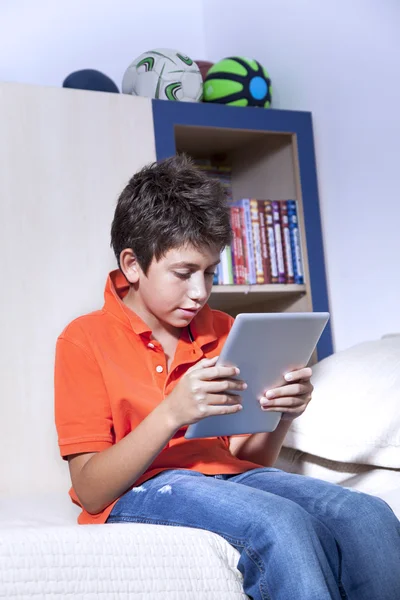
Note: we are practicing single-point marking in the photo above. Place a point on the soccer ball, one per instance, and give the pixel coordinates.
(166, 74)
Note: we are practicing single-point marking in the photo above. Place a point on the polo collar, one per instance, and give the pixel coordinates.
(117, 286)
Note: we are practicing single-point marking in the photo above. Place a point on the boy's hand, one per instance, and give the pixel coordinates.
(292, 398)
(205, 390)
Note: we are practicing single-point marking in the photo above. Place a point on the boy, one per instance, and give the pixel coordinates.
(130, 377)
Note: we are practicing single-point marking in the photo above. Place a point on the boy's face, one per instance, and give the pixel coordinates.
(175, 288)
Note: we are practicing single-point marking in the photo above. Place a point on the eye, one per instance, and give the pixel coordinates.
(188, 275)
(182, 275)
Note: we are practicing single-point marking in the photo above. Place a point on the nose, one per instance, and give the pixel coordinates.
(197, 289)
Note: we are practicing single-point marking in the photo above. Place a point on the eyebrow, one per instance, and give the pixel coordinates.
(190, 265)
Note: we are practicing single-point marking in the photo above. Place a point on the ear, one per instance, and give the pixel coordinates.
(129, 265)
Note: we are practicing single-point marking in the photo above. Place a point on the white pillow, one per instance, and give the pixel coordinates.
(354, 415)
(378, 481)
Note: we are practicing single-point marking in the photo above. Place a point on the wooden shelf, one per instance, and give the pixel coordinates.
(234, 299)
(274, 288)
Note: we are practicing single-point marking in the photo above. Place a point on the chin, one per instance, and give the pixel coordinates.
(183, 322)
(180, 321)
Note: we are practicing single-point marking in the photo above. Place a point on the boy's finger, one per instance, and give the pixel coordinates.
(219, 372)
(224, 409)
(217, 386)
(224, 399)
(296, 389)
(282, 403)
(304, 373)
(203, 363)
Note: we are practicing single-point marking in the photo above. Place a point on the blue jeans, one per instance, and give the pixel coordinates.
(299, 538)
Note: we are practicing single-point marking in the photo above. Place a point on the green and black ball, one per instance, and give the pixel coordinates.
(238, 81)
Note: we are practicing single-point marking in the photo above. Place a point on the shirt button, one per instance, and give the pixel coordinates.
(159, 369)
(150, 345)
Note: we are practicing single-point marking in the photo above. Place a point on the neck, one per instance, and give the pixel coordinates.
(159, 328)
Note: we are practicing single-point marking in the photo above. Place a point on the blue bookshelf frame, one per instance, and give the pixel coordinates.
(166, 115)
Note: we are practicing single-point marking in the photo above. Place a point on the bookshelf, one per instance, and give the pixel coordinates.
(271, 155)
(79, 148)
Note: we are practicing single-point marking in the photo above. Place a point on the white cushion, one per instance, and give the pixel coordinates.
(121, 561)
(354, 416)
(384, 483)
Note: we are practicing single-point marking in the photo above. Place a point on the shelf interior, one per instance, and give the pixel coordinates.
(263, 166)
(262, 162)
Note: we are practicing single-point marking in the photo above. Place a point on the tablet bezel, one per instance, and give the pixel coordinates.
(298, 336)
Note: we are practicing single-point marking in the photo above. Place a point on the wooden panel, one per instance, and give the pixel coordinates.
(301, 221)
(203, 142)
(65, 156)
(265, 169)
(234, 299)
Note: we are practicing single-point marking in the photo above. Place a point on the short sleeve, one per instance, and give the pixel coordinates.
(82, 408)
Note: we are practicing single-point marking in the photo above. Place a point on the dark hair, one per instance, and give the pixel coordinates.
(166, 205)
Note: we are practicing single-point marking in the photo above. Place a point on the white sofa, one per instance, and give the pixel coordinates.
(44, 554)
(350, 433)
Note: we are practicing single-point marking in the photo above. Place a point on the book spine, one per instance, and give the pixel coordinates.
(239, 257)
(233, 245)
(235, 254)
(220, 273)
(243, 239)
(256, 236)
(230, 266)
(224, 266)
(216, 276)
(269, 225)
(264, 242)
(249, 239)
(287, 249)
(233, 265)
(295, 241)
(278, 242)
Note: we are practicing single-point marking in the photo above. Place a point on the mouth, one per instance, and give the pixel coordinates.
(189, 311)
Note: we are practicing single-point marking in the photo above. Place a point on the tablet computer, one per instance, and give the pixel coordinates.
(265, 346)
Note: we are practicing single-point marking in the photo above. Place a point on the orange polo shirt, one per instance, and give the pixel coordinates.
(110, 374)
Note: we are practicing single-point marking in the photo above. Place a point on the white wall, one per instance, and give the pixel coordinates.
(43, 41)
(341, 61)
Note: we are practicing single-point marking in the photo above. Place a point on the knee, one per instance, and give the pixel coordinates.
(291, 530)
(289, 519)
(367, 508)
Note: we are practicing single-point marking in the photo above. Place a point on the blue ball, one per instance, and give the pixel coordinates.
(90, 79)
